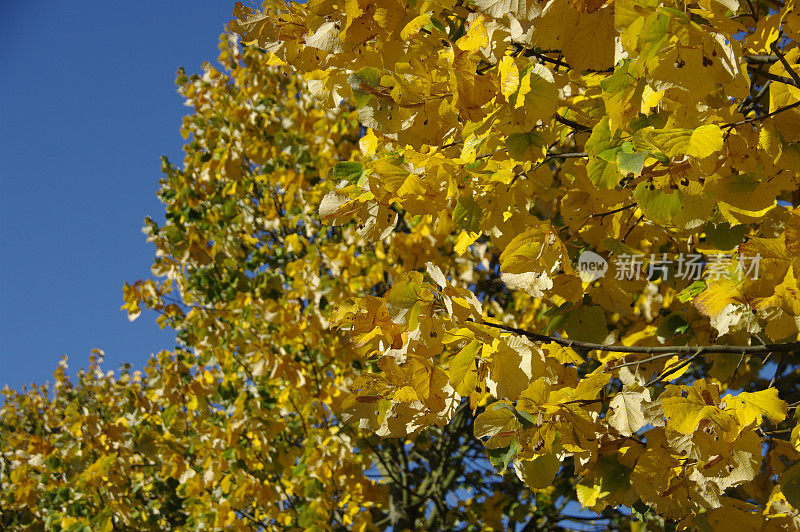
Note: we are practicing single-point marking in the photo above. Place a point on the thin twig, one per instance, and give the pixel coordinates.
(752, 9)
(640, 362)
(773, 77)
(785, 347)
(451, 144)
(785, 63)
(573, 155)
(627, 234)
(674, 370)
(774, 432)
(613, 211)
(778, 370)
(762, 117)
(541, 57)
(739, 365)
(571, 123)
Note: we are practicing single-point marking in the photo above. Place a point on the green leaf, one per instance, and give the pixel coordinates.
(790, 485)
(653, 36)
(526, 146)
(724, 237)
(601, 147)
(502, 456)
(587, 324)
(672, 326)
(630, 161)
(368, 76)
(673, 207)
(619, 80)
(526, 419)
(468, 214)
(691, 291)
(348, 170)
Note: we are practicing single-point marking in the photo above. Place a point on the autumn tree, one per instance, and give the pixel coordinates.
(457, 265)
(530, 140)
(241, 426)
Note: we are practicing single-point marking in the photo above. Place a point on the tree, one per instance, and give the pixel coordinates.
(240, 426)
(479, 241)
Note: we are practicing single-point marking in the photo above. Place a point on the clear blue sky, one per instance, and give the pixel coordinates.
(87, 107)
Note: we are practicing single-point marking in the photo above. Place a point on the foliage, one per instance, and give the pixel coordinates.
(376, 287)
(238, 427)
(518, 135)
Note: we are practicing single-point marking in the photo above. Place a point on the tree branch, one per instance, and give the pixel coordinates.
(786, 64)
(774, 77)
(571, 123)
(541, 57)
(673, 370)
(656, 350)
(762, 117)
(573, 155)
(760, 59)
(613, 211)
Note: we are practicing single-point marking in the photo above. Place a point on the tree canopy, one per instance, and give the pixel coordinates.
(457, 265)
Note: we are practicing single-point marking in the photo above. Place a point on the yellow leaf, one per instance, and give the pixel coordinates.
(192, 404)
(538, 249)
(539, 472)
(406, 394)
(705, 141)
(509, 369)
(701, 402)
(790, 485)
(589, 495)
(537, 92)
(564, 355)
(368, 143)
(107, 524)
(627, 416)
(521, 9)
(476, 38)
(673, 363)
(496, 418)
(750, 407)
(414, 26)
(465, 239)
(718, 294)
(462, 372)
(509, 76)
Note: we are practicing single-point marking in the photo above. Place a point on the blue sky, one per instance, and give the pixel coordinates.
(87, 107)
